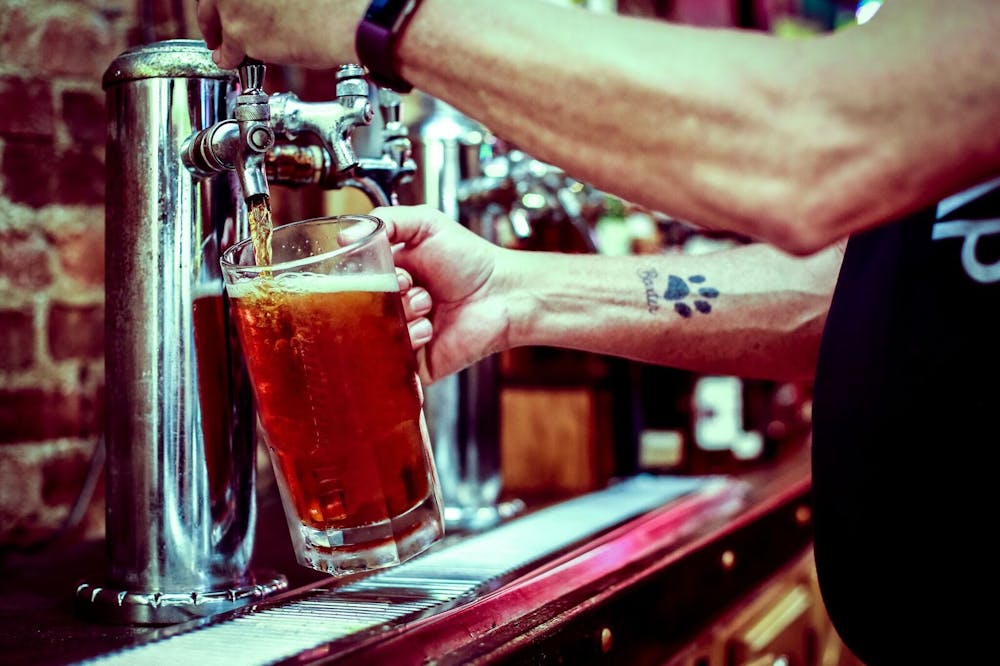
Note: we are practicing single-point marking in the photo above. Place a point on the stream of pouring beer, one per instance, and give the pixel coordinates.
(260, 228)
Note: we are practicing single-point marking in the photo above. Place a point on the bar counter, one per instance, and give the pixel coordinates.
(629, 574)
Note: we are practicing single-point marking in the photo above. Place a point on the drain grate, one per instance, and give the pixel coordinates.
(322, 616)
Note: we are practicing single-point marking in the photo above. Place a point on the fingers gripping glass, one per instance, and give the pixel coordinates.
(338, 398)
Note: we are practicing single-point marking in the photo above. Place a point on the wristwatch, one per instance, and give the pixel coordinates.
(376, 39)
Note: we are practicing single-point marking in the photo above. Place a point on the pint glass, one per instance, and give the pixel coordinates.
(338, 397)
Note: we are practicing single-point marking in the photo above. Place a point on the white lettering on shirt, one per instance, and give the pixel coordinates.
(971, 231)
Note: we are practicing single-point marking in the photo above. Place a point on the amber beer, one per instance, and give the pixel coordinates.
(339, 403)
(215, 387)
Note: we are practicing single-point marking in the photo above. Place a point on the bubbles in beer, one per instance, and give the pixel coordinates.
(338, 395)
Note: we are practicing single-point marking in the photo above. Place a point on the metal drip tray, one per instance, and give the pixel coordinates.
(308, 624)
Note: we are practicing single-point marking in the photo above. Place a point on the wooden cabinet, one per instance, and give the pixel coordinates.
(555, 440)
(557, 431)
(782, 623)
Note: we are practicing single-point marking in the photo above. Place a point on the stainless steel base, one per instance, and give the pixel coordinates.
(160, 608)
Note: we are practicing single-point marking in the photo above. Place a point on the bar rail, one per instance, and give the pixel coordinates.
(632, 591)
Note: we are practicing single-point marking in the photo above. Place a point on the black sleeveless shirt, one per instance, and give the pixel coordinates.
(906, 416)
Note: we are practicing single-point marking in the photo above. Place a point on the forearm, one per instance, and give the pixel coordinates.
(751, 311)
(795, 142)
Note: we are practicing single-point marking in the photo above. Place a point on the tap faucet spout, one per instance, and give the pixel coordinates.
(240, 143)
(253, 118)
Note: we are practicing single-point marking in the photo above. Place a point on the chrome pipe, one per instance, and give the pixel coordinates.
(463, 410)
(180, 422)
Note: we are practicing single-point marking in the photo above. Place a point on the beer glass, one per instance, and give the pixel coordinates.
(338, 397)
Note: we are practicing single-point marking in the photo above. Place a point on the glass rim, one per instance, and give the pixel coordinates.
(295, 263)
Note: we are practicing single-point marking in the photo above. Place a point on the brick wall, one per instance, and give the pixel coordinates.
(52, 132)
(52, 126)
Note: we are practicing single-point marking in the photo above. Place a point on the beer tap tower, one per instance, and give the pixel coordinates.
(479, 181)
(188, 148)
(463, 410)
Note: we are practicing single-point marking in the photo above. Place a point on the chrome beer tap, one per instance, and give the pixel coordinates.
(470, 175)
(253, 117)
(190, 148)
(394, 166)
(331, 123)
(239, 143)
(334, 162)
(286, 141)
(526, 192)
(463, 410)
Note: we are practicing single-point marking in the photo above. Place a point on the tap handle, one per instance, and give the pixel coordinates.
(390, 104)
(351, 82)
(251, 76)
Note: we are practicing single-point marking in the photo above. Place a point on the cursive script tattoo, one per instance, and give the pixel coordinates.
(647, 275)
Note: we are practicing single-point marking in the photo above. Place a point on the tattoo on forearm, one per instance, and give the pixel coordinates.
(686, 295)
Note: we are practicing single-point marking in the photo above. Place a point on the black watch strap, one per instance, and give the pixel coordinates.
(376, 38)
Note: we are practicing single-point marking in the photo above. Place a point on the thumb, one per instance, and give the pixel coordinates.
(410, 225)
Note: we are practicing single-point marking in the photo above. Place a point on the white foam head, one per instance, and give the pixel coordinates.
(313, 283)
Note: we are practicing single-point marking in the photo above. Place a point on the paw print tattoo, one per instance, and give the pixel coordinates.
(679, 289)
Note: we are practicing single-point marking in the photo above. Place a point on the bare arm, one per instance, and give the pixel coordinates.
(795, 142)
(750, 311)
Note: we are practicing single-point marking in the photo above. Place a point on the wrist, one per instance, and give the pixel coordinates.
(514, 273)
(377, 40)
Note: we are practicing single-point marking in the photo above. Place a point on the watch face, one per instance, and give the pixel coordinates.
(384, 12)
